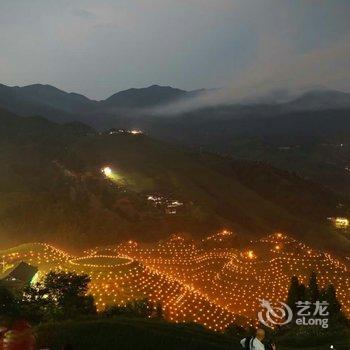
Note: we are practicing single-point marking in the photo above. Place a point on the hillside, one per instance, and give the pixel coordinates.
(314, 144)
(307, 134)
(53, 190)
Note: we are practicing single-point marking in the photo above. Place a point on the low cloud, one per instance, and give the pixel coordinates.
(277, 70)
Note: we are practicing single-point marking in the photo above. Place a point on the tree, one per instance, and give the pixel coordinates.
(297, 292)
(159, 313)
(313, 290)
(35, 305)
(237, 331)
(331, 296)
(302, 292)
(140, 308)
(68, 292)
(293, 293)
(9, 307)
(334, 308)
(60, 296)
(136, 308)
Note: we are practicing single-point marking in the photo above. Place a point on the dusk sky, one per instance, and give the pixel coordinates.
(98, 47)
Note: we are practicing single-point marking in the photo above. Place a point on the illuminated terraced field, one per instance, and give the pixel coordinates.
(117, 279)
(211, 286)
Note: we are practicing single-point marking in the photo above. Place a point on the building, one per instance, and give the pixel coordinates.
(340, 222)
(20, 275)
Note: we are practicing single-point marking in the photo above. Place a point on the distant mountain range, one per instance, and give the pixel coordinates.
(290, 133)
(61, 106)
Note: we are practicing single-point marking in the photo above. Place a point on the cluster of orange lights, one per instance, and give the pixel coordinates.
(210, 286)
(219, 237)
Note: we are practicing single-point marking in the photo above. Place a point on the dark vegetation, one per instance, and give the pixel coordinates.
(312, 293)
(336, 334)
(126, 333)
(60, 296)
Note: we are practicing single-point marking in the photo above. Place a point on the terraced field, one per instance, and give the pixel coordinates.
(211, 286)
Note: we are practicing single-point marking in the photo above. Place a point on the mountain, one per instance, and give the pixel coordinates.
(61, 106)
(44, 100)
(53, 97)
(14, 128)
(145, 97)
(53, 190)
(290, 135)
(320, 100)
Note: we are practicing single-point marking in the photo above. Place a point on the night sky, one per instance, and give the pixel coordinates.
(98, 47)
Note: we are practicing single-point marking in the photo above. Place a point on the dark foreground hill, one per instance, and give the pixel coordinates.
(52, 190)
(138, 334)
(130, 334)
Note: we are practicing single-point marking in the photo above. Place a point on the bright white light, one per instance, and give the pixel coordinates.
(136, 132)
(107, 171)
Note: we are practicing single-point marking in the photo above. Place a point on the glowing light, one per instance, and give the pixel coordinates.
(219, 236)
(107, 171)
(341, 222)
(251, 255)
(136, 132)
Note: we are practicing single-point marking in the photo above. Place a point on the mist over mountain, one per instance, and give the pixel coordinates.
(320, 100)
(145, 97)
(61, 106)
(289, 132)
(58, 105)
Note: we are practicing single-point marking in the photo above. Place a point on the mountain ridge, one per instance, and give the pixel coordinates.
(38, 96)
